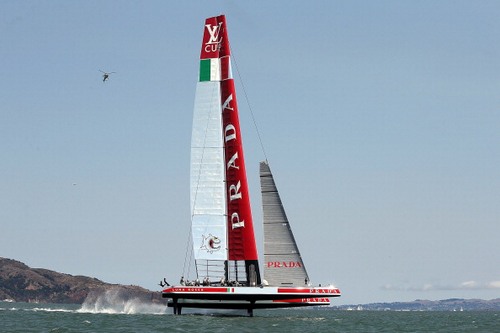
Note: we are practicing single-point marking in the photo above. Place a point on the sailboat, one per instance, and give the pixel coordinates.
(223, 238)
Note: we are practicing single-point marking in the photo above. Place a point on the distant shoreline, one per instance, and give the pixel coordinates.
(451, 304)
(21, 283)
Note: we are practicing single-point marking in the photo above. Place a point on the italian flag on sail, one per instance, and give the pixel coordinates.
(215, 69)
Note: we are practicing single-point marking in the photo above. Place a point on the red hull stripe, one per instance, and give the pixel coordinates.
(196, 290)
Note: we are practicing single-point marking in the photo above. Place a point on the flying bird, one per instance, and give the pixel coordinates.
(105, 75)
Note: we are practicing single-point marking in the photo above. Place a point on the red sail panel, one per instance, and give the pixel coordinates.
(241, 237)
(215, 43)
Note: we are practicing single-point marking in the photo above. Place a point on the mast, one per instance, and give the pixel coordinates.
(223, 234)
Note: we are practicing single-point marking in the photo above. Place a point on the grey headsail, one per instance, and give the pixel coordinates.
(283, 265)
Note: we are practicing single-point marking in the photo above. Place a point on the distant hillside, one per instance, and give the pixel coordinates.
(452, 304)
(21, 283)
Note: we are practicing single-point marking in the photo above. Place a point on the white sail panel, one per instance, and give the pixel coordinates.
(208, 202)
(209, 241)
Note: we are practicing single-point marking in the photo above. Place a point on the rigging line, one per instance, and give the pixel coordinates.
(248, 103)
(188, 243)
(190, 259)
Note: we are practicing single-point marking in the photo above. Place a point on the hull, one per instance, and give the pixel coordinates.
(249, 298)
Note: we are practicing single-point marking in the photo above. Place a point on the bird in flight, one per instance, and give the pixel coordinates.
(105, 75)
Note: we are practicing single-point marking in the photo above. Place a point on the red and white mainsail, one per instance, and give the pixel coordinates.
(222, 227)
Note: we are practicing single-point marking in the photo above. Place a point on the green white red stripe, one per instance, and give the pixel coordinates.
(209, 70)
(215, 69)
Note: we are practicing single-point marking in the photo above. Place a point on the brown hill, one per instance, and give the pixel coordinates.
(21, 283)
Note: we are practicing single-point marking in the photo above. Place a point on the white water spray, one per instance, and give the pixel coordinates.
(117, 301)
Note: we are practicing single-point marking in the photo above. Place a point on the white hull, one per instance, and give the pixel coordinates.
(249, 298)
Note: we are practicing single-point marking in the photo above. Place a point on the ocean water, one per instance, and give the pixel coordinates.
(136, 317)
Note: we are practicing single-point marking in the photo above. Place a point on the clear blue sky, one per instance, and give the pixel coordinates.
(381, 122)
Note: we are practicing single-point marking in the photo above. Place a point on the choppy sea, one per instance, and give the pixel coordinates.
(136, 317)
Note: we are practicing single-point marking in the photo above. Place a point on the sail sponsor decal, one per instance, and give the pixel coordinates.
(210, 243)
(213, 37)
(242, 245)
(305, 290)
(322, 300)
(284, 264)
(215, 43)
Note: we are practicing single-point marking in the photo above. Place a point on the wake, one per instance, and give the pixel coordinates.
(37, 309)
(116, 301)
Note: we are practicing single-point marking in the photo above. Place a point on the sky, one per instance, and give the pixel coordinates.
(380, 121)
